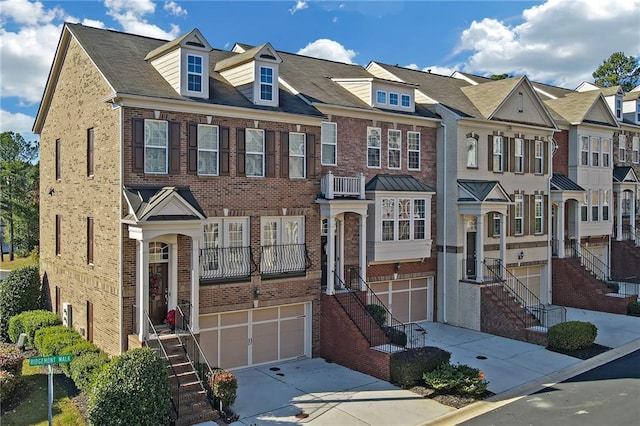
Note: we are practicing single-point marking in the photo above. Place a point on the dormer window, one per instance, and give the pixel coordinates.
(381, 97)
(618, 108)
(194, 73)
(266, 83)
(393, 99)
(406, 101)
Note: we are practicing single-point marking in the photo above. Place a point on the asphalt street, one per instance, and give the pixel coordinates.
(606, 395)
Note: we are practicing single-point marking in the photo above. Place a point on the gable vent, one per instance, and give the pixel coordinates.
(194, 43)
(267, 56)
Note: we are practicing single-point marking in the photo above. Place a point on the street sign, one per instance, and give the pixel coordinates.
(48, 360)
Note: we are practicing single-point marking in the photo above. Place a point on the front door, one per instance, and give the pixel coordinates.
(158, 292)
(471, 254)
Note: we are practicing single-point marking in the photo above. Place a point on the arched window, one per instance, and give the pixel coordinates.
(158, 251)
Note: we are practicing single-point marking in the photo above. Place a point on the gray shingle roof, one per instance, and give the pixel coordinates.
(143, 199)
(620, 174)
(480, 189)
(560, 182)
(488, 96)
(574, 106)
(397, 183)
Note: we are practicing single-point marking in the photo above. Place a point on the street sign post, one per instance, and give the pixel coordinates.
(49, 361)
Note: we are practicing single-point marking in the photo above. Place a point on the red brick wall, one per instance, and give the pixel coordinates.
(341, 342)
(561, 157)
(625, 260)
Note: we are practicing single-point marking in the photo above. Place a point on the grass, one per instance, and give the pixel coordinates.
(32, 410)
(16, 263)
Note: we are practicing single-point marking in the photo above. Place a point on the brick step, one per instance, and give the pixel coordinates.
(194, 418)
(188, 396)
(192, 407)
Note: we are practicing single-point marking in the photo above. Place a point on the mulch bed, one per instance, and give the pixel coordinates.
(585, 353)
(452, 400)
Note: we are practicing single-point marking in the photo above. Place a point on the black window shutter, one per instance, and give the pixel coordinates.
(545, 216)
(270, 160)
(527, 157)
(284, 154)
(490, 225)
(512, 157)
(311, 155)
(512, 220)
(490, 153)
(529, 217)
(138, 145)
(224, 151)
(531, 154)
(192, 150)
(545, 158)
(240, 153)
(505, 154)
(174, 147)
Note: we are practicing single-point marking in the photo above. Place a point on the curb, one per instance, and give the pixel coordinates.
(513, 394)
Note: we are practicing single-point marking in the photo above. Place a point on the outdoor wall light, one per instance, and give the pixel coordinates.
(521, 255)
(256, 295)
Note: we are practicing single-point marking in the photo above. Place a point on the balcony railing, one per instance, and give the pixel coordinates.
(226, 263)
(337, 186)
(284, 259)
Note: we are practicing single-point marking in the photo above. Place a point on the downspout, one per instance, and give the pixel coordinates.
(123, 337)
(552, 148)
(444, 224)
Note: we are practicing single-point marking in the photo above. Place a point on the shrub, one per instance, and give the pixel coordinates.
(79, 348)
(86, 367)
(29, 322)
(634, 309)
(407, 367)
(8, 383)
(51, 340)
(136, 384)
(572, 335)
(11, 359)
(378, 313)
(396, 337)
(19, 292)
(459, 378)
(224, 386)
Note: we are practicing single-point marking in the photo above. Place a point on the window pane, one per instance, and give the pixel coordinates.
(207, 137)
(155, 160)
(472, 152)
(296, 167)
(328, 154)
(296, 144)
(207, 163)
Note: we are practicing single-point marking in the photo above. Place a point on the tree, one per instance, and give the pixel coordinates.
(499, 76)
(18, 180)
(620, 70)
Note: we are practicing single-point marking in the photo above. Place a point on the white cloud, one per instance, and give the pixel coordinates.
(328, 49)
(130, 14)
(300, 5)
(561, 42)
(24, 12)
(174, 8)
(17, 123)
(335, 19)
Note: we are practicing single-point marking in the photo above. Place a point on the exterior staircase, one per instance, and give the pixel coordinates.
(192, 406)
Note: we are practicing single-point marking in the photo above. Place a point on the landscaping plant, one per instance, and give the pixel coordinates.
(572, 335)
(86, 367)
(224, 386)
(19, 292)
(51, 340)
(407, 367)
(460, 379)
(634, 309)
(29, 322)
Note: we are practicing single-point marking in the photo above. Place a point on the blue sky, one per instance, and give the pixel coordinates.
(559, 42)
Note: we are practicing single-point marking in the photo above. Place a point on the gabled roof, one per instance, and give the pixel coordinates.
(397, 183)
(192, 39)
(482, 190)
(162, 203)
(585, 86)
(487, 97)
(264, 51)
(575, 107)
(560, 182)
(624, 174)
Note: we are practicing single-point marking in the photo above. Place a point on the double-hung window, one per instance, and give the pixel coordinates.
(194, 73)
(618, 109)
(498, 150)
(329, 140)
(405, 101)
(595, 151)
(254, 158)
(413, 150)
(472, 153)
(584, 150)
(297, 155)
(497, 222)
(403, 219)
(518, 148)
(635, 148)
(519, 214)
(539, 217)
(605, 205)
(606, 150)
(373, 147)
(156, 146)
(381, 97)
(208, 149)
(393, 99)
(395, 148)
(622, 148)
(226, 252)
(584, 208)
(539, 157)
(266, 83)
(282, 247)
(595, 205)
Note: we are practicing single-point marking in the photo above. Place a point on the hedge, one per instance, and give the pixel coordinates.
(11, 359)
(86, 367)
(19, 292)
(51, 340)
(29, 322)
(572, 335)
(77, 349)
(407, 367)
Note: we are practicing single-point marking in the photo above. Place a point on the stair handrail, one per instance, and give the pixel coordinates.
(633, 232)
(594, 264)
(174, 381)
(581, 269)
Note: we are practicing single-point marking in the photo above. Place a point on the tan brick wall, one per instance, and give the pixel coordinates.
(76, 107)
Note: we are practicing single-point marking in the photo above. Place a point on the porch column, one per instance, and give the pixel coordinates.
(503, 240)
(479, 248)
(619, 215)
(363, 250)
(340, 248)
(560, 228)
(331, 253)
(577, 223)
(195, 285)
(173, 276)
(142, 285)
(632, 217)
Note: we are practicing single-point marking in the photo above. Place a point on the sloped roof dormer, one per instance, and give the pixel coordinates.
(254, 72)
(382, 93)
(184, 63)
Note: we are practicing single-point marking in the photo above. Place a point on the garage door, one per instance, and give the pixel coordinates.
(531, 278)
(408, 300)
(256, 336)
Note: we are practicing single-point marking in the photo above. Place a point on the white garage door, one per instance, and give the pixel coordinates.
(407, 300)
(256, 336)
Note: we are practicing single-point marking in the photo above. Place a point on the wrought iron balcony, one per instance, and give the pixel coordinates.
(283, 259)
(338, 186)
(226, 263)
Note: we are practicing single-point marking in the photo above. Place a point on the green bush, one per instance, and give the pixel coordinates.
(29, 322)
(224, 386)
(11, 359)
(86, 367)
(378, 313)
(572, 335)
(407, 367)
(51, 340)
(459, 379)
(396, 337)
(8, 383)
(134, 385)
(79, 348)
(634, 309)
(19, 292)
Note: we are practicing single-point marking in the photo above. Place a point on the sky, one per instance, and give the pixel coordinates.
(559, 42)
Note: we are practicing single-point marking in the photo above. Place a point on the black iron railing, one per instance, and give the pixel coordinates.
(174, 380)
(534, 312)
(284, 259)
(629, 232)
(590, 261)
(226, 263)
(183, 315)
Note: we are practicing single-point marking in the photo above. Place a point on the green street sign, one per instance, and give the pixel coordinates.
(48, 360)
